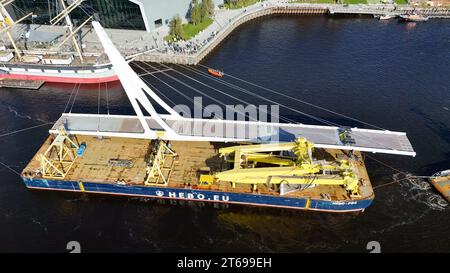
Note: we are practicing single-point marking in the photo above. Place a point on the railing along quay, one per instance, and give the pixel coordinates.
(304, 9)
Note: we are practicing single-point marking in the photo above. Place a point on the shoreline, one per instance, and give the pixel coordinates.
(145, 46)
(279, 8)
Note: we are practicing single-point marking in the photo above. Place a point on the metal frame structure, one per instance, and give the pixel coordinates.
(155, 172)
(59, 157)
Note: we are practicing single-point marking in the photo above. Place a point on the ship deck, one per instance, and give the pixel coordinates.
(193, 157)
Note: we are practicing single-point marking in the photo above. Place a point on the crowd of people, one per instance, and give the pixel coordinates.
(186, 47)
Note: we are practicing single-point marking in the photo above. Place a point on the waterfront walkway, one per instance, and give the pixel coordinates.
(227, 20)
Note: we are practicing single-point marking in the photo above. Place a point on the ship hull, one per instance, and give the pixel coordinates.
(59, 74)
(200, 195)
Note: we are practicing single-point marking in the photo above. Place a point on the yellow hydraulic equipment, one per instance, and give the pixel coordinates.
(302, 170)
(161, 165)
(59, 156)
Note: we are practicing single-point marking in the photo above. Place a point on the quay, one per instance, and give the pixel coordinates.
(225, 23)
(145, 46)
(21, 84)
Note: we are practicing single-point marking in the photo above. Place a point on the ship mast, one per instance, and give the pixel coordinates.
(64, 14)
(7, 24)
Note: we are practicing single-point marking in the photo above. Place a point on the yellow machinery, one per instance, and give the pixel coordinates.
(59, 156)
(298, 169)
(161, 165)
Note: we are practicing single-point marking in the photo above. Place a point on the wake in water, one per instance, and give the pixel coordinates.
(14, 111)
(20, 115)
(420, 190)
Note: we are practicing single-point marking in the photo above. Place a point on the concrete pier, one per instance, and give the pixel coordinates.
(274, 8)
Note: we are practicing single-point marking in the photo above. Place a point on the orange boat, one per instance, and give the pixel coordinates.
(216, 73)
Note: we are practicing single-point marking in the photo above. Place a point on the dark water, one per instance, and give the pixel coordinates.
(393, 75)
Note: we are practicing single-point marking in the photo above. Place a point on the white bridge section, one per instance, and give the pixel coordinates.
(174, 127)
(375, 141)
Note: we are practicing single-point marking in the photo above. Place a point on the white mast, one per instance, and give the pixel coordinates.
(134, 86)
(8, 23)
(65, 15)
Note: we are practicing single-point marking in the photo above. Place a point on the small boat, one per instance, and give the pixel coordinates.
(413, 18)
(215, 72)
(441, 181)
(386, 17)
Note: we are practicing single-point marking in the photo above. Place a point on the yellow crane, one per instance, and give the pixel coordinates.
(300, 168)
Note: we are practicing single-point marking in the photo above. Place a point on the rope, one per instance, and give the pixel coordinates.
(9, 168)
(98, 99)
(389, 183)
(193, 88)
(238, 88)
(107, 97)
(299, 100)
(387, 165)
(407, 176)
(18, 131)
(224, 93)
(25, 129)
(75, 98)
(165, 83)
(70, 97)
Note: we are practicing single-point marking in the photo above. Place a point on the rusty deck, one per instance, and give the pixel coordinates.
(193, 158)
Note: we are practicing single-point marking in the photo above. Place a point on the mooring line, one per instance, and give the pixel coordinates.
(9, 168)
(25, 129)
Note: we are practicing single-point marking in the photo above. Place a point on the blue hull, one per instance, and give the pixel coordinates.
(200, 195)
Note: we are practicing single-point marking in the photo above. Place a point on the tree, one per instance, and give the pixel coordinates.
(176, 27)
(195, 14)
(209, 6)
(203, 10)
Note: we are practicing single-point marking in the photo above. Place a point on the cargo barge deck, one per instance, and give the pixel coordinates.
(119, 166)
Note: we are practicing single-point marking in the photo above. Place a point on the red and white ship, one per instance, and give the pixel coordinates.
(85, 68)
(87, 74)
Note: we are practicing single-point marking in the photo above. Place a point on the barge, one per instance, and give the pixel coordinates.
(285, 165)
(331, 180)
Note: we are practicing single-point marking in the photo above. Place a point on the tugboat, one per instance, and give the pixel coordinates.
(441, 181)
(215, 72)
(413, 18)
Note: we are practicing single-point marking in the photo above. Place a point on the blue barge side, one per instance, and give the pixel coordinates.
(199, 195)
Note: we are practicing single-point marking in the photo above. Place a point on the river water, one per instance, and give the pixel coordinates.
(392, 75)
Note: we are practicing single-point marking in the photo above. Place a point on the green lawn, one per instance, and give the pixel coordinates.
(401, 2)
(240, 4)
(191, 30)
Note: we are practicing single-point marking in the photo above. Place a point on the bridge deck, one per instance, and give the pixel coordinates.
(376, 141)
